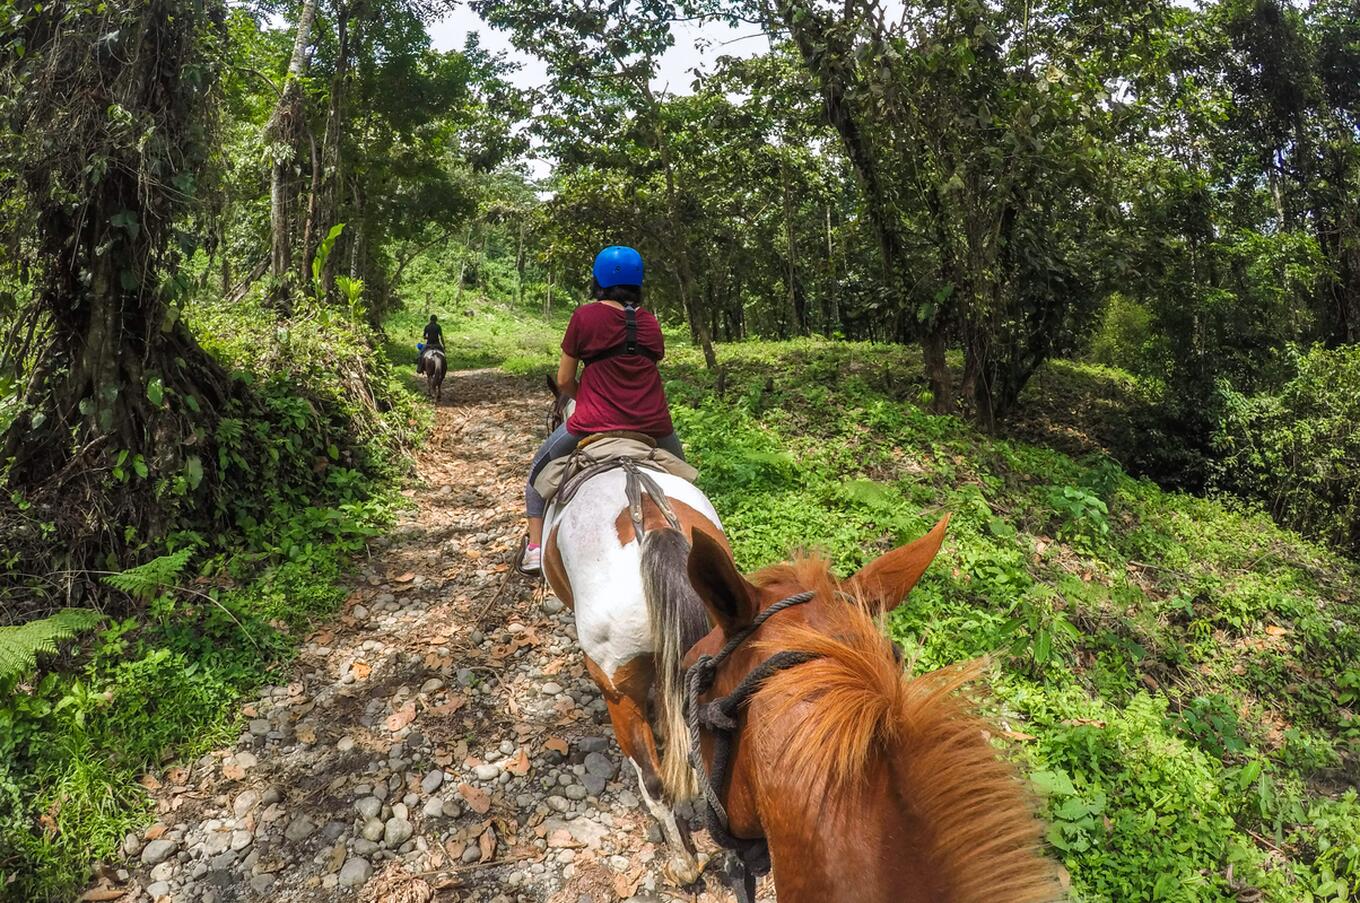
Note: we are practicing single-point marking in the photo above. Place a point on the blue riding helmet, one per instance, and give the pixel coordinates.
(617, 265)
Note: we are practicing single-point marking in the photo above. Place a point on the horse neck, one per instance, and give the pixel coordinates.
(860, 844)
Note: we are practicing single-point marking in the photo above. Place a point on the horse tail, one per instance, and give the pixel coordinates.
(678, 621)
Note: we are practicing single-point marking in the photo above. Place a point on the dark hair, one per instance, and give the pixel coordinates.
(433, 319)
(624, 294)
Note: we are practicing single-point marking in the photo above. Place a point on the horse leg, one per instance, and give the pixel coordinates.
(625, 696)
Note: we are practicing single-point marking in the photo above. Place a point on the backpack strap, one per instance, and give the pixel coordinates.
(630, 342)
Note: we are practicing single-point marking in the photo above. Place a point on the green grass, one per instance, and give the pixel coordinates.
(1179, 675)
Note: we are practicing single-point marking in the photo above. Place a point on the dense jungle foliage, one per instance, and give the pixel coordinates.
(1086, 275)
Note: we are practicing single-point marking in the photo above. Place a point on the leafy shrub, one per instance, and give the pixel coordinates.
(1298, 450)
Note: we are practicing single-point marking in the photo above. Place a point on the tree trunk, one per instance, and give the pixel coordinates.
(282, 130)
(685, 275)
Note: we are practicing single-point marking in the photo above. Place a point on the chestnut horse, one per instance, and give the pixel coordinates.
(867, 785)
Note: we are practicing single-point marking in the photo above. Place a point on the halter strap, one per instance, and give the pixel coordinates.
(719, 717)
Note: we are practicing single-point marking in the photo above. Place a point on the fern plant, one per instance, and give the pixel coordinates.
(147, 580)
(20, 645)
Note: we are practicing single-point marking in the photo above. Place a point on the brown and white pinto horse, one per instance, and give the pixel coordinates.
(636, 615)
(867, 785)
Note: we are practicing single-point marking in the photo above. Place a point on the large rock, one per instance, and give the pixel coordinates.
(157, 851)
(355, 872)
(601, 765)
(369, 806)
(397, 831)
(299, 829)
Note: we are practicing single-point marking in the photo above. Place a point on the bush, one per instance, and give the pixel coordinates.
(1297, 451)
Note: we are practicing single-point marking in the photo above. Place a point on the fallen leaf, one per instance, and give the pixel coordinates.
(149, 782)
(479, 800)
(95, 894)
(177, 775)
(552, 667)
(1017, 735)
(401, 717)
(557, 744)
(453, 704)
(406, 577)
(518, 764)
(233, 772)
(1276, 630)
(249, 710)
(443, 758)
(626, 883)
(487, 844)
(361, 670)
(306, 734)
(155, 831)
(323, 638)
(296, 688)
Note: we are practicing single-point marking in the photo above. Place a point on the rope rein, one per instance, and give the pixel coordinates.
(719, 717)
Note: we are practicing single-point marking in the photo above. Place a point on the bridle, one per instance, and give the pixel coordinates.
(719, 717)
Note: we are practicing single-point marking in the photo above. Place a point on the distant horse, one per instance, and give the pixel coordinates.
(636, 614)
(434, 365)
(857, 782)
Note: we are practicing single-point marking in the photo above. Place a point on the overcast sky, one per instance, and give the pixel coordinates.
(688, 52)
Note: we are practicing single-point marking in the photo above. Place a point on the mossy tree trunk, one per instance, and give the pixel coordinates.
(112, 103)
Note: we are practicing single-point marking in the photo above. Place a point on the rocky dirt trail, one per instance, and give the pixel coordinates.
(439, 740)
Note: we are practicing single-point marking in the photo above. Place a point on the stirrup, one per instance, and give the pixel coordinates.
(519, 560)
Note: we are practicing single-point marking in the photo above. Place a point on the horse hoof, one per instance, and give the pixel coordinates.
(684, 870)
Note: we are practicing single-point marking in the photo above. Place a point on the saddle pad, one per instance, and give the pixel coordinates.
(558, 472)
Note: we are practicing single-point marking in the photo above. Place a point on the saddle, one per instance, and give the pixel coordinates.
(560, 480)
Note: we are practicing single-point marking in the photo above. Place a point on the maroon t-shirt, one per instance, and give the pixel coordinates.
(622, 392)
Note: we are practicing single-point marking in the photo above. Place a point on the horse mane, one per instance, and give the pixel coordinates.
(854, 704)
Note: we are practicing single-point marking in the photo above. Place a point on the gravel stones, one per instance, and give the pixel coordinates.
(157, 851)
(487, 772)
(372, 829)
(260, 726)
(432, 781)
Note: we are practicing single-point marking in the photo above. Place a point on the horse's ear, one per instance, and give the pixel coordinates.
(730, 600)
(885, 581)
(552, 384)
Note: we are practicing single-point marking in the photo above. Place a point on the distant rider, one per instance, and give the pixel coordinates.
(619, 389)
(434, 338)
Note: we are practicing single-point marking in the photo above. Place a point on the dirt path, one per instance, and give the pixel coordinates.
(439, 740)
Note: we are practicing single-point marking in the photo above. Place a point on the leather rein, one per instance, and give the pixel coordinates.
(719, 717)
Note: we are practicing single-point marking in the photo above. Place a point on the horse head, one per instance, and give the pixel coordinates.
(559, 410)
(866, 784)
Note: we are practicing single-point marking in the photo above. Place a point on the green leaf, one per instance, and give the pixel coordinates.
(155, 390)
(1053, 783)
(193, 471)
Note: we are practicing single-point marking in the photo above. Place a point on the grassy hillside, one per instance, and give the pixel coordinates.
(1179, 678)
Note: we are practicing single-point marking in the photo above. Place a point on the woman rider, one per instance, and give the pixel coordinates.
(617, 390)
